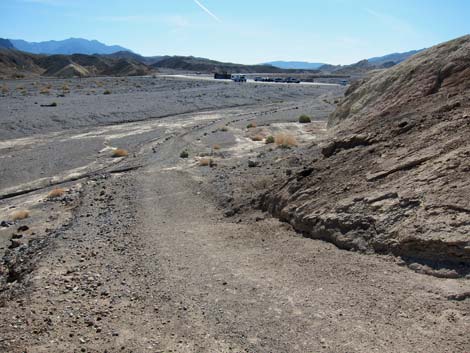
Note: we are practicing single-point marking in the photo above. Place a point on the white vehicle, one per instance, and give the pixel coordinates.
(238, 78)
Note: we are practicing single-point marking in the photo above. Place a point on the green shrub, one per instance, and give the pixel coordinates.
(107, 92)
(251, 125)
(270, 139)
(304, 119)
(184, 154)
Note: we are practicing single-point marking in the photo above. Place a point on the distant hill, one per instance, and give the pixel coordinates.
(14, 63)
(395, 57)
(5, 43)
(190, 63)
(147, 60)
(297, 65)
(364, 66)
(66, 47)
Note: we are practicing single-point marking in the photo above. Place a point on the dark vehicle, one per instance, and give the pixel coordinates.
(343, 82)
(278, 80)
(292, 80)
(259, 79)
(222, 76)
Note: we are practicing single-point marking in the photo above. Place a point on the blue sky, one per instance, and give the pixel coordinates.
(245, 31)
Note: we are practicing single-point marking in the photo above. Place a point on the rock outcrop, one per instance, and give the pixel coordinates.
(395, 176)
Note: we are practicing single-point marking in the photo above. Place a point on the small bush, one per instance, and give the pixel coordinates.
(305, 119)
(107, 92)
(216, 147)
(65, 88)
(59, 192)
(19, 215)
(204, 162)
(120, 152)
(45, 90)
(251, 125)
(270, 139)
(285, 140)
(4, 89)
(53, 104)
(224, 129)
(184, 154)
(257, 138)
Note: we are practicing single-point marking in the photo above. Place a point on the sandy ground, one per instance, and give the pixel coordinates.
(145, 254)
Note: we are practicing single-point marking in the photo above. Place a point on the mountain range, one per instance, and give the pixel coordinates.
(66, 47)
(81, 57)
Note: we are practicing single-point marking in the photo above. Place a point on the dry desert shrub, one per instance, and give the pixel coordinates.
(285, 140)
(19, 215)
(45, 90)
(4, 89)
(59, 192)
(216, 147)
(65, 88)
(251, 125)
(204, 162)
(257, 138)
(120, 152)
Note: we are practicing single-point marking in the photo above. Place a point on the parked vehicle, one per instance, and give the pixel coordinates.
(292, 80)
(238, 78)
(278, 80)
(258, 79)
(343, 82)
(222, 76)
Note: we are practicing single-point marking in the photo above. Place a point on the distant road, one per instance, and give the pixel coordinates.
(210, 78)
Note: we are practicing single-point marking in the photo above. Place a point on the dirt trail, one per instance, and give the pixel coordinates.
(150, 264)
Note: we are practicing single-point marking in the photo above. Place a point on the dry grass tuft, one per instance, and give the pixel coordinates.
(5, 89)
(19, 215)
(45, 90)
(59, 192)
(120, 152)
(257, 138)
(216, 147)
(204, 162)
(285, 140)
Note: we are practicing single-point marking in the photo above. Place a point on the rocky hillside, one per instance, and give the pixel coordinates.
(189, 63)
(14, 63)
(394, 178)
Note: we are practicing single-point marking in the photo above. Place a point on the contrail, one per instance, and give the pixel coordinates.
(206, 10)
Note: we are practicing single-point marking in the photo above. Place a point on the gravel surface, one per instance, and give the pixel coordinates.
(149, 253)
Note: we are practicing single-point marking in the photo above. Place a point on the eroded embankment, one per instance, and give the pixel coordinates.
(394, 177)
